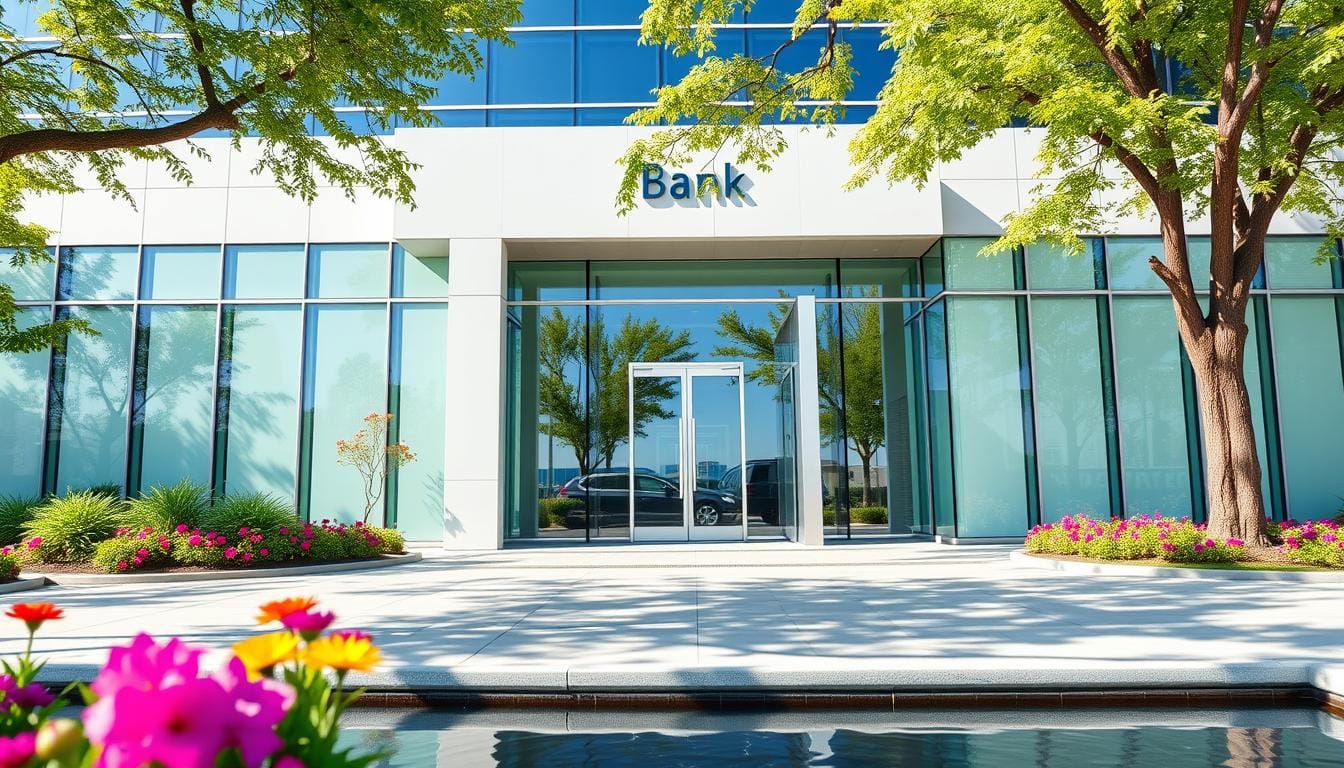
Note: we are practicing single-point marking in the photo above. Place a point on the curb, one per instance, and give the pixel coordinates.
(105, 579)
(23, 585)
(1020, 557)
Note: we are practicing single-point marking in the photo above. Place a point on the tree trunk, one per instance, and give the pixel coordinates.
(867, 460)
(1236, 502)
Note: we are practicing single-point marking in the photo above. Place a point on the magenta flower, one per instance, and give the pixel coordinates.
(31, 696)
(1168, 547)
(230, 553)
(195, 540)
(35, 542)
(181, 527)
(1235, 543)
(310, 624)
(17, 750)
(352, 634)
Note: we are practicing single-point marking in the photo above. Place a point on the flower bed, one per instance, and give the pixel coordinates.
(1319, 543)
(276, 703)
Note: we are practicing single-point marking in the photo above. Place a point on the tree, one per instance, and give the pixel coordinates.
(373, 457)
(1246, 132)
(561, 353)
(111, 81)
(860, 407)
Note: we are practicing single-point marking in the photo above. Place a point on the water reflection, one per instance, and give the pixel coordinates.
(1298, 738)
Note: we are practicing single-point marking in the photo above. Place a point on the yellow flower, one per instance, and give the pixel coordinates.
(344, 652)
(261, 653)
(276, 610)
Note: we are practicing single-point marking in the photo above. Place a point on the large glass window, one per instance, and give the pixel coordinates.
(538, 69)
(418, 276)
(23, 396)
(173, 396)
(263, 271)
(966, 270)
(642, 280)
(181, 272)
(1052, 268)
(419, 343)
(345, 380)
(613, 67)
(1293, 263)
(33, 281)
(347, 271)
(98, 273)
(1127, 259)
(90, 392)
(261, 359)
(1311, 400)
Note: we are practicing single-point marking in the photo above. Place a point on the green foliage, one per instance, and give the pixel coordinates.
(1316, 543)
(15, 512)
(184, 552)
(326, 544)
(130, 552)
(110, 490)
(248, 510)
(390, 540)
(868, 515)
(1140, 538)
(551, 512)
(71, 526)
(164, 508)
(9, 564)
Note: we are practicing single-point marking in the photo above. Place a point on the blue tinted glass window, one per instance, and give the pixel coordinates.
(539, 69)
(799, 56)
(460, 118)
(263, 271)
(602, 115)
(32, 281)
(457, 88)
(773, 11)
(610, 11)
(526, 117)
(613, 66)
(95, 272)
(727, 43)
(180, 272)
(548, 13)
(872, 67)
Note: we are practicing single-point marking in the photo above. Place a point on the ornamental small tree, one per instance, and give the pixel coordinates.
(369, 452)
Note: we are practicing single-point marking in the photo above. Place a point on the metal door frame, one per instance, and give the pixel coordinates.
(685, 372)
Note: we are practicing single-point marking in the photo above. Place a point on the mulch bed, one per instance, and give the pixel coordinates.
(85, 568)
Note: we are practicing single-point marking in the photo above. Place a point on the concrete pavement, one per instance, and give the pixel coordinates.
(889, 616)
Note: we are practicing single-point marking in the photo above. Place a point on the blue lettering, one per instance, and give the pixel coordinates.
(705, 183)
(733, 181)
(653, 186)
(681, 186)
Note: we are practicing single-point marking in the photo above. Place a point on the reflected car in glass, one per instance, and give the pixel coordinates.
(657, 502)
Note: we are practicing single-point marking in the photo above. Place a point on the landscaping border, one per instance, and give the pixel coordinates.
(1023, 558)
(23, 584)
(171, 577)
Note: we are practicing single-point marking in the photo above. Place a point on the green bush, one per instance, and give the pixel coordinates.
(390, 540)
(15, 512)
(551, 513)
(326, 544)
(229, 514)
(132, 552)
(828, 517)
(9, 564)
(166, 507)
(192, 549)
(869, 515)
(111, 490)
(1314, 543)
(69, 527)
(1138, 538)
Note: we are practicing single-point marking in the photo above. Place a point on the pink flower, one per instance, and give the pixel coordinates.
(30, 696)
(143, 553)
(289, 761)
(122, 565)
(284, 530)
(1168, 547)
(164, 543)
(351, 634)
(36, 542)
(243, 531)
(1235, 543)
(247, 557)
(1328, 538)
(16, 750)
(310, 624)
(265, 552)
(181, 527)
(230, 553)
(305, 546)
(194, 540)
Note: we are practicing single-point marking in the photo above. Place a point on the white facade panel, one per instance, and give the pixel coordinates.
(265, 215)
(185, 215)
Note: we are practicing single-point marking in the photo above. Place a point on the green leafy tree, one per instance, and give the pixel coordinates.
(561, 355)
(1246, 133)
(113, 81)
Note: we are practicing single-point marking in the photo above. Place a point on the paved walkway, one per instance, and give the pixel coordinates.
(866, 616)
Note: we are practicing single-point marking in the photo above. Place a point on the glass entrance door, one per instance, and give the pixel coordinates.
(686, 435)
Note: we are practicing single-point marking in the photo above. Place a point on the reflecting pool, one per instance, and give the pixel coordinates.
(1248, 738)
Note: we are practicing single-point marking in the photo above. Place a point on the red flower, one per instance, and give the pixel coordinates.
(33, 614)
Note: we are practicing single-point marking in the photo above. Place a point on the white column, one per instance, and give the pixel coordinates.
(473, 466)
(808, 413)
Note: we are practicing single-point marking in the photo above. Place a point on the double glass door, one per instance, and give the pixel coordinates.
(687, 449)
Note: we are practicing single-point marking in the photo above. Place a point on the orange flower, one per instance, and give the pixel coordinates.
(33, 614)
(276, 610)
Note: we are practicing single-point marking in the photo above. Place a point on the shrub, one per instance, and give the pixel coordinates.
(828, 517)
(67, 528)
(136, 551)
(1319, 543)
(1139, 538)
(15, 512)
(110, 490)
(197, 548)
(164, 508)
(869, 515)
(325, 544)
(248, 510)
(9, 564)
(551, 513)
(390, 540)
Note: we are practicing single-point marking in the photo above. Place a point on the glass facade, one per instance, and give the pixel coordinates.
(237, 367)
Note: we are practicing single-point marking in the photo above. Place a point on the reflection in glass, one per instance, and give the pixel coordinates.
(1308, 339)
(172, 396)
(89, 393)
(263, 271)
(716, 419)
(31, 281)
(23, 379)
(97, 273)
(347, 270)
(657, 432)
(419, 344)
(181, 272)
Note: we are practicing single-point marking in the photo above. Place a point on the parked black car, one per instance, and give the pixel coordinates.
(657, 502)
(762, 484)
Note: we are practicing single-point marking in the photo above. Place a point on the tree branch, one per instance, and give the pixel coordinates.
(198, 45)
(1124, 70)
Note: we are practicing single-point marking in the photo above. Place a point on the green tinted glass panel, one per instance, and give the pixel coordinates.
(547, 281)
(98, 273)
(174, 394)
(92, 403)
(347, 380)
(181, 272)
(263, 272)
(966, 270)
(1151, 406)
(1070, 410)
(262, 361)
(987, 439)
(1311, 402)
(1292, 263)
(418, 373)
(1128, 263)
(417, 276)
(1052, 268)
(880, 278)
(33, 281)
(23, 392)
(940, 419)
(711, 279)
(347, 271)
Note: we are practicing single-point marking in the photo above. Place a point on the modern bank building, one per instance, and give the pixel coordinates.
(774, 359)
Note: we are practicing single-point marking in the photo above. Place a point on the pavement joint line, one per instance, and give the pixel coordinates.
(549, 599)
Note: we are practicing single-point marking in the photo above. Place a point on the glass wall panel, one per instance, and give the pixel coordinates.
(1071, 434)
(641, 280)
(345, 380)
(263, 271)
(611, 11)
(181, 272)
(727, 43)
(1311, 401)
(988, 447)
(98, 273)
(1052, 268)
(172, 396)
(1128, 263)
(917, 425)
(419, 341)
(940, 420)
(537, 69)
(835, 475)
(33, 281)
(547, 281)
(1149, 394)
(23, 393)
(418, 277)
(614, 67)
(347, 271)
(879, 278)
(261, 357)
(548, 13)
(966, 270)
(90, 392)
(1292, 263)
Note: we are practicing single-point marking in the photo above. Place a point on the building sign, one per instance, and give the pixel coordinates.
(656, 183)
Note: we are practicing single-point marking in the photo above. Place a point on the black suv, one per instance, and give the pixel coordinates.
(762, 484)
(657, 501)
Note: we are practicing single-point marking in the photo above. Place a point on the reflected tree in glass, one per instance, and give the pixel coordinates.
(561, 344)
